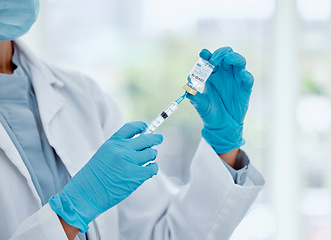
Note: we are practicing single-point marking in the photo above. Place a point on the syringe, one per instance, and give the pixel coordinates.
(164, 115)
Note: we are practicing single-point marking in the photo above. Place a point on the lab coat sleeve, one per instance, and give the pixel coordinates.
(44, 224)
(209, 207)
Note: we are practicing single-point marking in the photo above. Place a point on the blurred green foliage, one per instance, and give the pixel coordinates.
(310, 85)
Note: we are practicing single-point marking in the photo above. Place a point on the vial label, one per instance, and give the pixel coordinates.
(200, 73)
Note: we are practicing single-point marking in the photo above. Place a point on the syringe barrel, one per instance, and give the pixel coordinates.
(154, 124)
(171, 108)
(161, 117)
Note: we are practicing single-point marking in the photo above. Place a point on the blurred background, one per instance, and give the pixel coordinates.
(140, 52)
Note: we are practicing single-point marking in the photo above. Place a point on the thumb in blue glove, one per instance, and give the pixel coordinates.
(111, 175)
(225, 99)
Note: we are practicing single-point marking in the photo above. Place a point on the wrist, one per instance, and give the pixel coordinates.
(69, 230)
(230, 157)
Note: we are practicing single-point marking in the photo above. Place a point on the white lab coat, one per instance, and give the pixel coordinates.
(77, 118)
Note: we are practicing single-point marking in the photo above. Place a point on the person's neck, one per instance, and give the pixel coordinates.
(6, 54)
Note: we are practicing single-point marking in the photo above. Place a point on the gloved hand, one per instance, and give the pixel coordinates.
(224, 101)
(111, 175)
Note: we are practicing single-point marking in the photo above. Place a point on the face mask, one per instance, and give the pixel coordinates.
(17, 17)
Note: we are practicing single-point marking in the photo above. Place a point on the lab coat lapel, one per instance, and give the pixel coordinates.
(49, 103)
(13, 155)
(62, 134)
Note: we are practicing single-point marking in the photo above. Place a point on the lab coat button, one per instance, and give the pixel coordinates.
(243, 177)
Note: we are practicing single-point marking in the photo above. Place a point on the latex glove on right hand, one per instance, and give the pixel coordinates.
(112, 174)
(224, 101)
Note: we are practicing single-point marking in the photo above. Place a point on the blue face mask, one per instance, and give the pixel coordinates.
(17, 17)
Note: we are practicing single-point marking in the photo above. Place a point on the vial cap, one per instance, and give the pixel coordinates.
(189, 89)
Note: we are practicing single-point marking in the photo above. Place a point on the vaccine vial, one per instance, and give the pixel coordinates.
(198, 76)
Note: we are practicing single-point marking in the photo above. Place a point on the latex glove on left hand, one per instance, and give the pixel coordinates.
(115, 171)
(224, 101)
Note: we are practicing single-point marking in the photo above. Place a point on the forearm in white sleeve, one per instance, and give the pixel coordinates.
(44, 224)
(210, 206)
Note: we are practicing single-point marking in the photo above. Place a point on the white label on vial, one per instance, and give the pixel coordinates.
(200, 72)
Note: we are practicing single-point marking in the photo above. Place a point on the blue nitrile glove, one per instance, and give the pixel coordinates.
(111, 175)
(224, 101)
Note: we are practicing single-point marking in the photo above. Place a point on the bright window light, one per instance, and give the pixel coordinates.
(314, 10)
(173, 14)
